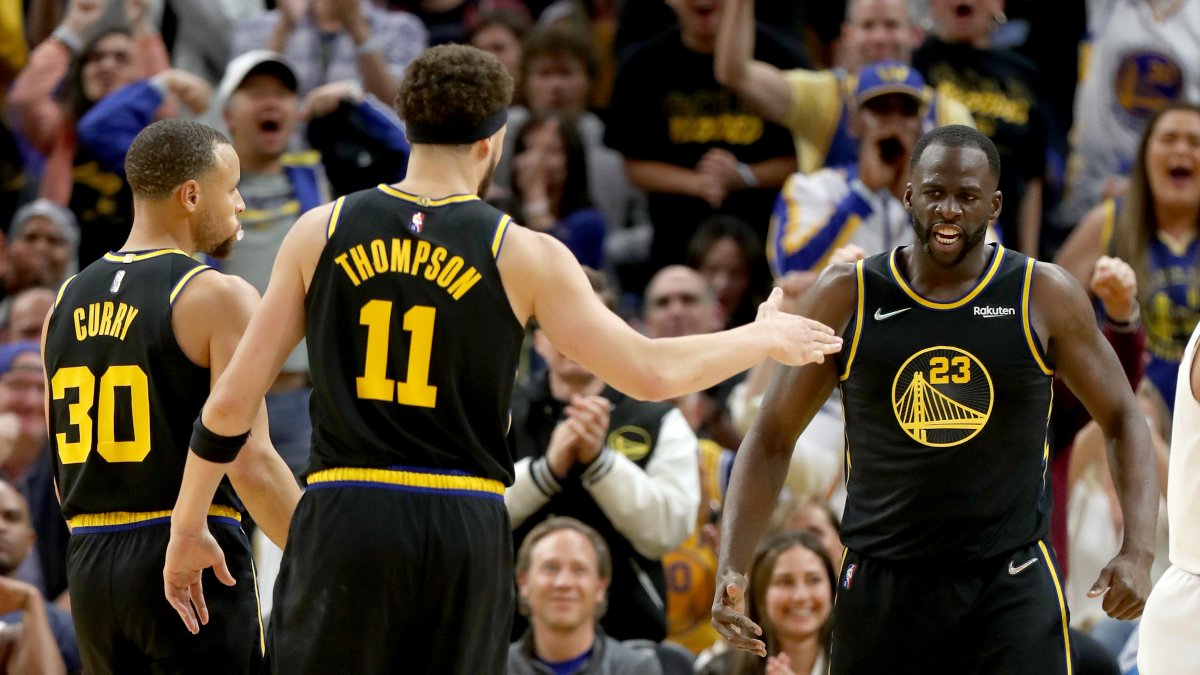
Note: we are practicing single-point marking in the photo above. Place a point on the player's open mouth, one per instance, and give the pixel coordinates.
(963, 10)
(269, 126)
(946, 235)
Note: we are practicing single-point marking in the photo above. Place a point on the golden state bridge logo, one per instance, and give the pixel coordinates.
(942, 396)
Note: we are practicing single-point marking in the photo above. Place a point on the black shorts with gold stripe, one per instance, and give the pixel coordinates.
(994, 616)
(124, 623)
(397, 570)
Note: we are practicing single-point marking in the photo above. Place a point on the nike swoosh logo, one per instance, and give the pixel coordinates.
(880, 316)
(1020, 568)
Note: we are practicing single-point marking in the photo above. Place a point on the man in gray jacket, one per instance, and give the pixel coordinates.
(563, 569)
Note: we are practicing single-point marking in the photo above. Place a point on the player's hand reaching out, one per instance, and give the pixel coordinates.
(188, 555)
(800, 340)
(729, 615)
(1125, 584)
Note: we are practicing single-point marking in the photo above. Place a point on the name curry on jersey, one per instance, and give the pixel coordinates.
(107, 318)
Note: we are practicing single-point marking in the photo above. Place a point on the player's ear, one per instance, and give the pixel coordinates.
(997, 202)
(189, 195)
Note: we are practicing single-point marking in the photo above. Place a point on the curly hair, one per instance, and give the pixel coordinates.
(166, 154)
(453, 87)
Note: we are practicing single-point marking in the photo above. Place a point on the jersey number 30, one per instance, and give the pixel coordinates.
(81, 379)
(374, 384)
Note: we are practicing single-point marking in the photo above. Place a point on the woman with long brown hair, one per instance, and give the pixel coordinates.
(791, 597)
(1154, 229)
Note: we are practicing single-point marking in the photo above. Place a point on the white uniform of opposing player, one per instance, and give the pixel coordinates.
(1170, 628)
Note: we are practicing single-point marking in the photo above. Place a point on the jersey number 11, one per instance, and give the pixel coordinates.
(374, 384)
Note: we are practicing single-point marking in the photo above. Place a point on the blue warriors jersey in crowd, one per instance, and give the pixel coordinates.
(818, 213)
(123, 393)
(947, 406)
(411, 337)
(1171, 306)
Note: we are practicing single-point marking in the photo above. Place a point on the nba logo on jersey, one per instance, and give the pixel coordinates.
(418, 221)
(849, 576)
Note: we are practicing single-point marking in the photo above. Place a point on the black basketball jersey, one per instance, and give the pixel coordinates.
(412, 341)
(947, 408)
(123, 395)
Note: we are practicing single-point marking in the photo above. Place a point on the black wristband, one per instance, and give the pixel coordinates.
(215, 447)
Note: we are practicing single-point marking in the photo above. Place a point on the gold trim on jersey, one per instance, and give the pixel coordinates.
(426, 201)
(1025, 322)
(262, 632)
(333, 218)
(1062, 604)
(99, 522)
(183, 281)
(849, 227)
(63, 289)
(118, 257)
(501, 230)
(858, 318)
(997, 259)
(1177, 246)
(942, 396)
(408, 478)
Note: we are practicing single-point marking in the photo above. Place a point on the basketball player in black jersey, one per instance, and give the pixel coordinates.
(131, 348)
(414, 298)
(952, 347)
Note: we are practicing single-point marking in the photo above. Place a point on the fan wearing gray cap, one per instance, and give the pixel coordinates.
(42, 250)
(43, 245)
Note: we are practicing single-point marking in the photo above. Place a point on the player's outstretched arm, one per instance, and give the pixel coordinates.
(1086, 362)
(543, 280)
(792, 399)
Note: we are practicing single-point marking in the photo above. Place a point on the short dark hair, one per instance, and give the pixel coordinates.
(958, 136)
(453, 86)
(556, 41)
(558, 524)
(168, 153)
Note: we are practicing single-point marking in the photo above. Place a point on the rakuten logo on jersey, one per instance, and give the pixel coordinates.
(994, 312)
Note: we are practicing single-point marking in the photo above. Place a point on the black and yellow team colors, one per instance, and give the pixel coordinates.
(948, 504)
(401, 539)
(123, 398)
